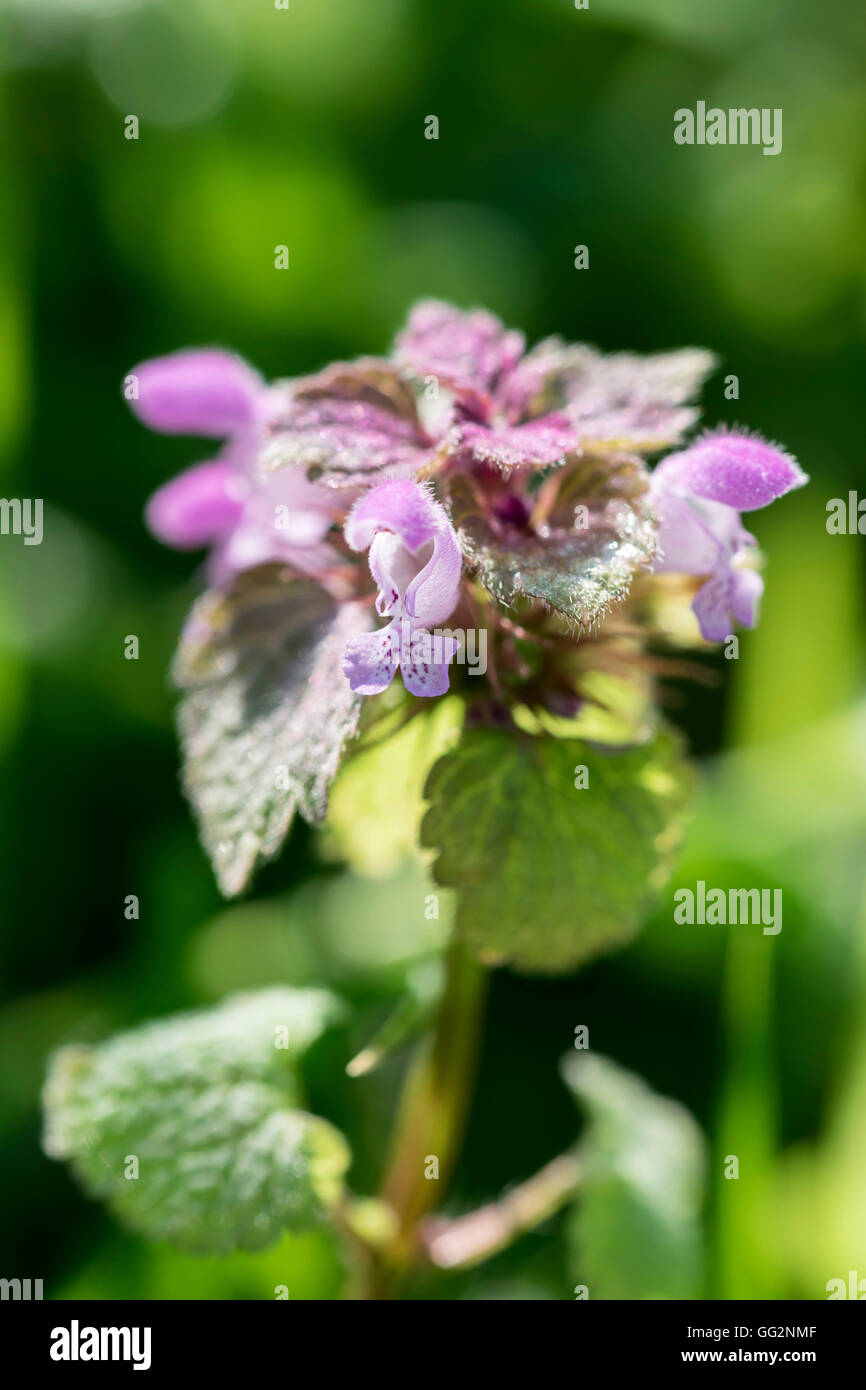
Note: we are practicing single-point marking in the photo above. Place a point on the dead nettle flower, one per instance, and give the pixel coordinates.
(462, 461)
(699, 494)
(224, 503)
(415, 561)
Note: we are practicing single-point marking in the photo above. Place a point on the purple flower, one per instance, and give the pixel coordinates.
(698, 496)
(224, 503)
(415, 561)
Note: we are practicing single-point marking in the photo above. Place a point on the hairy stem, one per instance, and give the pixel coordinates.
(432, 1113)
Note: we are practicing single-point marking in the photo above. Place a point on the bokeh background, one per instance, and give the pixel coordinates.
(305, 126)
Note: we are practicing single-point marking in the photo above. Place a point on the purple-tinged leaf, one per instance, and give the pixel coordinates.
(621, 401)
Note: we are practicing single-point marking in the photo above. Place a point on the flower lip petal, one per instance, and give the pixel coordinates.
(204, 391)
(423, 674)
(370, 660)
(741, 470)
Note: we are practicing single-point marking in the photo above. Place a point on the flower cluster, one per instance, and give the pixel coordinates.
(479, 478)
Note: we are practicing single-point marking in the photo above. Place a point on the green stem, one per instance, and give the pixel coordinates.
(432, 1113)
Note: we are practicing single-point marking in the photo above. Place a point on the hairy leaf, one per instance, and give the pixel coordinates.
(579, 572)
(265, 715)
(352, 418)
(190, 1129)
(617, 401)
(634, 1230)
(547, 873)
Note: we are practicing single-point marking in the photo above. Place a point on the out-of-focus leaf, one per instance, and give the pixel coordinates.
(190, 1128)
(634, 1230)
(265, 715)
(360, 934)
(412, 1015)
(579, 571)
(549, 874)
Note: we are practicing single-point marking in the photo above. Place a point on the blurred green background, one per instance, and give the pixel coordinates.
(305, 127)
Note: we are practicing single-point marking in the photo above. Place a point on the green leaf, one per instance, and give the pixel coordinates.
(635, 1229)
(376, 802)
(265, 715)
(207, 1106)
(548, 874)
(579, 572)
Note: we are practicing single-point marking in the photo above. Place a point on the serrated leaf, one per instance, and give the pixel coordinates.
(547, 874)
(265, 715)
(634, 1230)
(618, 401)
(580, 572)
(207, 1105)
(353, 418)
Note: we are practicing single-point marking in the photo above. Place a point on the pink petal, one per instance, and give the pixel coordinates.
(747, 587)
(422, 674)
(197, 507)
(400, 505)
(205, 392)
(740, 470)
(729, 596)
(410, 512)
(370, 661)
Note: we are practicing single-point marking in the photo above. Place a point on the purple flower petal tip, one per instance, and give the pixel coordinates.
(405, 507)
(197, 507)
(740, 470)
(206, 392)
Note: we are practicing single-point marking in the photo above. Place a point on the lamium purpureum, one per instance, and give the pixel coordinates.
(359, 523)
(460, 483)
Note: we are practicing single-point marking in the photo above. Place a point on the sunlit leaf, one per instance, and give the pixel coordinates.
(547, 873)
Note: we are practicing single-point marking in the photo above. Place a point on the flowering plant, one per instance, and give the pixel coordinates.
(501, 491)
(480, 521)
